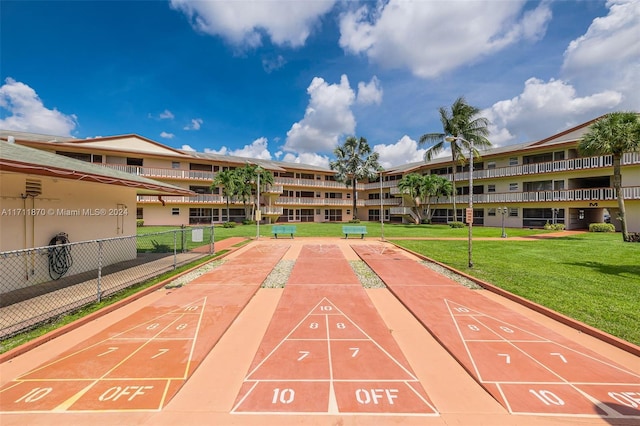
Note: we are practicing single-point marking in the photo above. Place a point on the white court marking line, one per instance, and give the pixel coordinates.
(114, 337)
(563, 381)
(332, 403)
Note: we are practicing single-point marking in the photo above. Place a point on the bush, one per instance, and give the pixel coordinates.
(633, 237)
(229, 225)
(554, 226)
(425, 221)
(139, 223)
(354, 221)
(456, 224)
(248, 222)
(601, 227)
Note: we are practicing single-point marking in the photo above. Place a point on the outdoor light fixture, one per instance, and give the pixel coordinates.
(469, 213)
(503, 211)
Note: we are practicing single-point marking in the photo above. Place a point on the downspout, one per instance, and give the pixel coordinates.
(24, 208)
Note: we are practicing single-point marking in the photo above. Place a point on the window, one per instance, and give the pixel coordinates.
(491, 188)
(491, 212)
(513, 161)
(139, 213)
(513, 212)
(348, 211)
(513, 187)
(333, 215)
(134, 161)
(96, 158)
(491, 165)
(175, 211)
(175, 164)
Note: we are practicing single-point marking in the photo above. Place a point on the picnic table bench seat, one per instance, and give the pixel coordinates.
(354, 230)
(283, 229)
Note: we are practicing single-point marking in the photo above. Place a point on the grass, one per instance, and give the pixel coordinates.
(19, 339)
(591, 277)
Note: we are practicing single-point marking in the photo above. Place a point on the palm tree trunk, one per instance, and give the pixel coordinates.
(453, 183)
(227, 209)
(355, 206)
(617, 185)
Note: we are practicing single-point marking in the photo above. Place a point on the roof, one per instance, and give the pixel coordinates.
(23, 159)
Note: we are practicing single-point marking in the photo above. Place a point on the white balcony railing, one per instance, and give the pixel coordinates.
(159, 173)
(314, 183)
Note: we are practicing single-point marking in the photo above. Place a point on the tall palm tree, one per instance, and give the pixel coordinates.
(227, 180)
(354, 161)
(461, 121)
(414, 185)
(614, 134)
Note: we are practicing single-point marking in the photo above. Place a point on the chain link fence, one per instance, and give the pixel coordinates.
(39, 284)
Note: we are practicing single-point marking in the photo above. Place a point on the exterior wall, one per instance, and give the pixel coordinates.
(84, 210)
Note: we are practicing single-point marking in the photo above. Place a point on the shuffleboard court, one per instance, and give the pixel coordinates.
(327, 351)
(527, 367)
(140, 362)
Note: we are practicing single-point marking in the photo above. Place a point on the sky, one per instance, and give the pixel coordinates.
(291, 80)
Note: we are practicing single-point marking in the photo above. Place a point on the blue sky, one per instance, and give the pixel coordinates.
(290, 80)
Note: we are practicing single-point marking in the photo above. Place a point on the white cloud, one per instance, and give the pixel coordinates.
(327, 117)
(166, 115)
(271, 64)
(167, 135)
(257, 149)
(27, 112)
(243, 23)
(194, 125)
(405, 150)
(307, 158)
(430, 37)
(370, 93)
(187, 148)
(607, 56)
(544, 108)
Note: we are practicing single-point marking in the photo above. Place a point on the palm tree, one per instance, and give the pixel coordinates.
(461, 122)
(415, 186)
(354, 161)
(226, 179)
(614, 134)
(435, 186)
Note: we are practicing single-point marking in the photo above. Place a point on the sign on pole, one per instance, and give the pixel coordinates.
(469, 213)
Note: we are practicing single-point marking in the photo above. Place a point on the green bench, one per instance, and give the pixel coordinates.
(351, 230)
(283, 229)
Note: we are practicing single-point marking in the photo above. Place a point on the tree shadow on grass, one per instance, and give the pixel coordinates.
(605, 268)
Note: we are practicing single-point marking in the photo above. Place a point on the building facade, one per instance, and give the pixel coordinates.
(525, 185)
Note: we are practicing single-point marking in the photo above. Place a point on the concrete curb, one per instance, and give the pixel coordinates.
(557, 316)
(25, 347)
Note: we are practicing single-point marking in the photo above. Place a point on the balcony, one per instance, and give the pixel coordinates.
(314, 183)
(271, 210)
(158, 173)
(176, 199)
(272, 189)
(385, 202)
(318, 202)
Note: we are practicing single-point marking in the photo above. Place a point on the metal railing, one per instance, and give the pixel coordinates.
(40, 284)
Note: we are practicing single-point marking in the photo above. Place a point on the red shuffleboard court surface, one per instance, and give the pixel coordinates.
(322, 264)
(527, 367)
(141, 362)
(327, 351)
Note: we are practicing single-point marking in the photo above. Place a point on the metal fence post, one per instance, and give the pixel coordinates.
(211, 241)
(99, 270)
(175, 249)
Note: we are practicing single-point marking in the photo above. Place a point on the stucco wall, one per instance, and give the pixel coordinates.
(84, 210)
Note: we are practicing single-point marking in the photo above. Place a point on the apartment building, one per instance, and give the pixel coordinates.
(525, 185)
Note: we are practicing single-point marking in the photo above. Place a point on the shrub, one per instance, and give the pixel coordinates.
(425, 221)
(139, 223)
(633, 237)
(229, 225)
(354, 221)
(456, 224)
(248, 222)
(554, 226)
(601, 227)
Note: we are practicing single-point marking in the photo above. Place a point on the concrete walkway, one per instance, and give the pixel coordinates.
(210, 394)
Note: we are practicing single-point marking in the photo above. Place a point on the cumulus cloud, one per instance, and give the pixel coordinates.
(187, 148)
(370, 93)
(245, 23)
(194, 125)
(307, 158)
(167, 135)
(166, 115)
(271, 64)
(257, 149)
(327, 117)
(430, 38)
(27, 113)
(607, 56)
(555, 104)
(405, 150)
